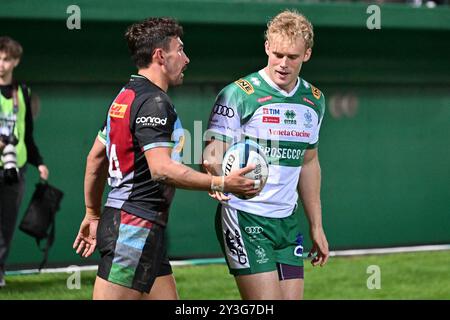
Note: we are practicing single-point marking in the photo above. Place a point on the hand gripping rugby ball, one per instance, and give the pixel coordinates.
(243, 153)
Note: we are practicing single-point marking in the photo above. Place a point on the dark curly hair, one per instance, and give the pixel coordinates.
(146, 36)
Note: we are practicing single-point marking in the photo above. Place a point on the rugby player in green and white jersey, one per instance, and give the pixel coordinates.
(261, 237)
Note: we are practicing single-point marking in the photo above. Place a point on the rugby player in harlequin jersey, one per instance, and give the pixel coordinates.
(139, 151)
(261, 237)
(142, 117)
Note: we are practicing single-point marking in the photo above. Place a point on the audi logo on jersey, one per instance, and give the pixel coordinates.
(151, 121)
(223, 111)
(254, 230)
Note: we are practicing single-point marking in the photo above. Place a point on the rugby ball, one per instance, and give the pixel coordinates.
(243, 153)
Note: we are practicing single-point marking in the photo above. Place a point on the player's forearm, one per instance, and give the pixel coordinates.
(181, 176)
(309, 191)
(94, 182)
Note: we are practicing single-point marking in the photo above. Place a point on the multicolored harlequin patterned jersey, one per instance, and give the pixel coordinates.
(140, 118)
(284, 124)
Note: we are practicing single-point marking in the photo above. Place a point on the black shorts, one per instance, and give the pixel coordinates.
(133, 250)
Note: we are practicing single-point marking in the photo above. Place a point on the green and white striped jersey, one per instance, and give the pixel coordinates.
(284, 124)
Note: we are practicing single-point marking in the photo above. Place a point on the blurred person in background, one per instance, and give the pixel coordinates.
(17, 146)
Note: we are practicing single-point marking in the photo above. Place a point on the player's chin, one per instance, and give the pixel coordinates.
(177, 82)
(280, 81)
(180, 78)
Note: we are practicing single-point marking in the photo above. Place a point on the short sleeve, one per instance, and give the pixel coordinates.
(101, 135)
(225, 119)
(315, 137)
(154, 123)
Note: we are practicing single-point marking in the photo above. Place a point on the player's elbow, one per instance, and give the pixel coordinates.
(91, 157)
(159, 171)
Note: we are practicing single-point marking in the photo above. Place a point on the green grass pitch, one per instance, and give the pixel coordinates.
(423, 275)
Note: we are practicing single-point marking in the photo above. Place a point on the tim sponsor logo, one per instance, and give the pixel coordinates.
(271, 111)
(289, 133)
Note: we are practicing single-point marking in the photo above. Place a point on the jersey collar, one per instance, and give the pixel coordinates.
(138, 76)
(269, 81)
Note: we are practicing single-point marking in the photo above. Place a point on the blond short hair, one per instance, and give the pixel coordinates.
(291, 24)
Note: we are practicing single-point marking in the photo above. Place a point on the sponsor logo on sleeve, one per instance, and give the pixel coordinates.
(245, 85)
(316, 92)
(264, 99)
(151, 121)
(223, 111)
(309, 101)
(118, 110)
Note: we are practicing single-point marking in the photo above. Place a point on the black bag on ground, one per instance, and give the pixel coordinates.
(39, 218)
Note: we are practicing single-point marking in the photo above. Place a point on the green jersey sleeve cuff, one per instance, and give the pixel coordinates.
(102, 137)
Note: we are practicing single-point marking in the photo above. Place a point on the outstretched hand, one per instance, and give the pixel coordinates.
(86, 240)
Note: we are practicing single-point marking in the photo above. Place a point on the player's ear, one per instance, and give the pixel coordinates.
(16, 62)
(267, 47)
(158, 56)
(307, 55)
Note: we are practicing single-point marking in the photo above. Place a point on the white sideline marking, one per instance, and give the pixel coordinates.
(191, 262)
(360, 252)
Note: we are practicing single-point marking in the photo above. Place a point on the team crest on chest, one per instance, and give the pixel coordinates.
(308, 119)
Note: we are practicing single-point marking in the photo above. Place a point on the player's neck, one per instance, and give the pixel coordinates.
(155, 76)
(6, 80)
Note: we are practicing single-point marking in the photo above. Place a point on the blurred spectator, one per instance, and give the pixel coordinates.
(17, 147)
